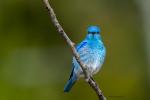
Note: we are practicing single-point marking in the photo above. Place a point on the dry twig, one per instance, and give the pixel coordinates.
(60, 30)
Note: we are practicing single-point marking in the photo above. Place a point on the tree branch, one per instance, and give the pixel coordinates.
(60, 30)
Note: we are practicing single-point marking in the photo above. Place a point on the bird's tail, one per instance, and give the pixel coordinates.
(70, 83)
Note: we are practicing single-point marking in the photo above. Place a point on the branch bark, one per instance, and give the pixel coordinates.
(61, 31)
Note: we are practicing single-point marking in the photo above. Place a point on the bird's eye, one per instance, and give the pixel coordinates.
(93, 32)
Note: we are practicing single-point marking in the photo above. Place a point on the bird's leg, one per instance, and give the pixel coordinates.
(90, 77)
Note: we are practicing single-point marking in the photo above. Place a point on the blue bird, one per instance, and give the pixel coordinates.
(92, 53)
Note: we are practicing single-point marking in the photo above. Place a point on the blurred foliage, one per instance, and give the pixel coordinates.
(35, 62)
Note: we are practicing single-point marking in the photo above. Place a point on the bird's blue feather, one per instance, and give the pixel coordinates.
(92, 53)
(70, 82)
(82, 44)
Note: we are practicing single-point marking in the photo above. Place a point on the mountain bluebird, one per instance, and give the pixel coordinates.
(92, 53)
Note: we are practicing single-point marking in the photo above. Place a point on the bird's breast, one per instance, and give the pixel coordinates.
(92, 55)
(93, 58)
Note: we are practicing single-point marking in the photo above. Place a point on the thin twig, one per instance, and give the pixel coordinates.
(60, 30)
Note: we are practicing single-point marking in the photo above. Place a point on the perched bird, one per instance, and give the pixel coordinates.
(92, 53)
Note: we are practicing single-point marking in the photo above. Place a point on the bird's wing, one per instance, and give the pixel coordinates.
(72, 71)
(74, 62)
(80, 48)
(81, 45)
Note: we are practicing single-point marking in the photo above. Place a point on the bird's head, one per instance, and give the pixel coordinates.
(93, 32)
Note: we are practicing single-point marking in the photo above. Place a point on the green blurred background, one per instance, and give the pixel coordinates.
(35, 62)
